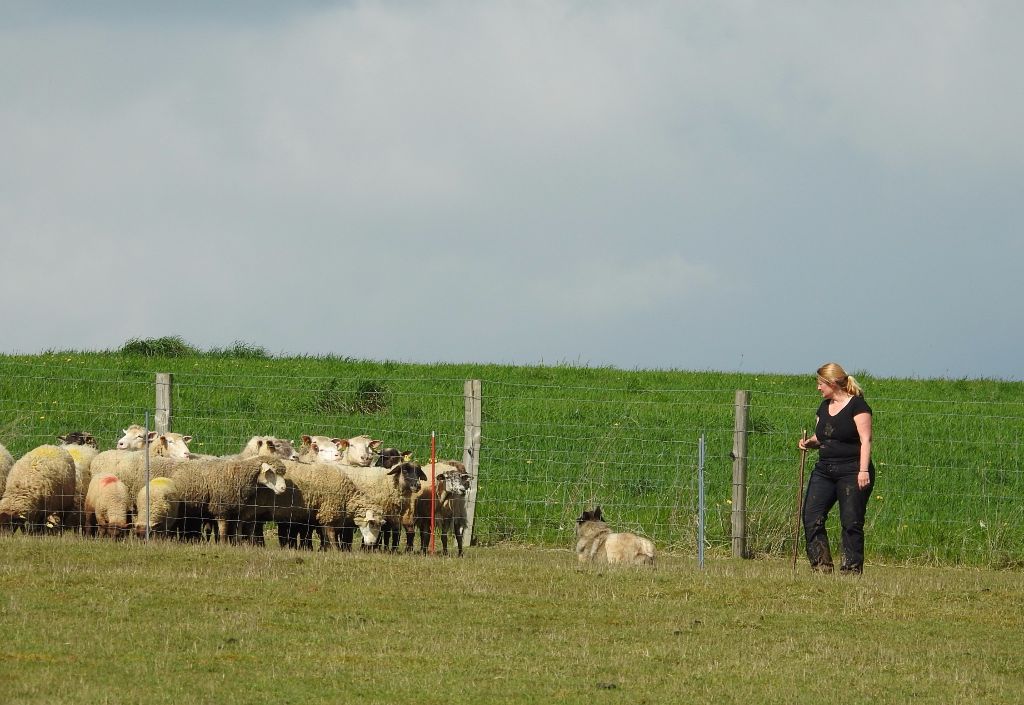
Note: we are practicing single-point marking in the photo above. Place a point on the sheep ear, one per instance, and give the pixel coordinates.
(467, 479)
(306, 439)
(62, 439)
(340, 442)
(597, 513)
(422, 475)
(375, 444)
(186, 439)
(406, 455)
(151, 436)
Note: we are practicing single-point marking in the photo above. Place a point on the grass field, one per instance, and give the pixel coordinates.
(557, 438)
(100, 622)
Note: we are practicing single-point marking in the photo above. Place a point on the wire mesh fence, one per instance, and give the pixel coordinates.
(949, 486)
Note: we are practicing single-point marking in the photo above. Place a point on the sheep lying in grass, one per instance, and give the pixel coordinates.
(106, 507)
(40, 491)
(218, 490)
(451, 484)
(6, 463)
(163, 513)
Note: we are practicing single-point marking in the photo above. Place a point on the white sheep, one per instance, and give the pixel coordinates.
(322, 497)
(163, 513)
(392, 490)
(134, 438)
(6, 463)
(165, 450)
(320, 449)
(360, 451)
(106, 507)
(269, 445)
(40, 490)
(217, 490)
(451, 484)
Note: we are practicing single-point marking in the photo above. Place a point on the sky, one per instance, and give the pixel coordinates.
(729, 186)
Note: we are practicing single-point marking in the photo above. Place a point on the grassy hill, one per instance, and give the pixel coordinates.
(558, 438)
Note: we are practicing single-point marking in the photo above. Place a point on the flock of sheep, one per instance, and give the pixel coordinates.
(328, 487)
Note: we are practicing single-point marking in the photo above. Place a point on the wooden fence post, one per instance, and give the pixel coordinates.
(739, 475)
(162, 417)
(472, 396)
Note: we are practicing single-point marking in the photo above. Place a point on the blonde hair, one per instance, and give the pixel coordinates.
(833, 373)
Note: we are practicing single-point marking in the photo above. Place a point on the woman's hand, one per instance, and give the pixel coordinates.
(863, 479)
(808, 443)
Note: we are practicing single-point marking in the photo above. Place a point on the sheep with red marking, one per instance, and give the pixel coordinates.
(106, 507)
(166, 450)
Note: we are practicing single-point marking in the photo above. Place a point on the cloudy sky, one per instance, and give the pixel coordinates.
(737, 186)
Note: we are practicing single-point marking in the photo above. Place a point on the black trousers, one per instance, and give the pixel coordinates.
(830, 483)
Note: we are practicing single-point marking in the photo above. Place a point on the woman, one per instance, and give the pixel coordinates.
(844, 472)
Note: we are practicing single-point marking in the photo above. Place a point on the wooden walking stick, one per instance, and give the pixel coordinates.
(799, 499)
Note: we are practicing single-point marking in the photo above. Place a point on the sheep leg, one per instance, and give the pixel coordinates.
(459, 529)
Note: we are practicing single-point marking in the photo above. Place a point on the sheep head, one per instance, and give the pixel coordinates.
(408, 475)
(272, 477)
(370, 524)
(134, 438)
(321, 449)
(78, 438)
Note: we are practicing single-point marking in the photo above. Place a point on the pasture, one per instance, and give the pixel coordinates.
(555, 439)
(88, 621)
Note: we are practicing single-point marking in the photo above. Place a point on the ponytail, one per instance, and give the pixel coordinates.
(833, 373)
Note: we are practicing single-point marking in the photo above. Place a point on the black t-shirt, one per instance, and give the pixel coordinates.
(840, 442)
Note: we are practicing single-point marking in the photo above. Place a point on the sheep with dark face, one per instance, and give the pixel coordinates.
(451, 484)
(389, 458)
